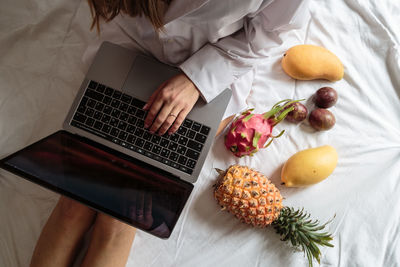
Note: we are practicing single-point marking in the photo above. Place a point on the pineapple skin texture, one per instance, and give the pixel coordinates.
(249, 195)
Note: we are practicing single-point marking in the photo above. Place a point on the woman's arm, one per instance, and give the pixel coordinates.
(216, 66)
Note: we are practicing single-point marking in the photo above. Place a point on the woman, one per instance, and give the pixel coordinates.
(217, 44)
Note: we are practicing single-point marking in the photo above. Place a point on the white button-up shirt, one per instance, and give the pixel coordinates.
(214, 42)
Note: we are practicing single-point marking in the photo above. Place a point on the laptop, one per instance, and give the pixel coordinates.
(104, 158)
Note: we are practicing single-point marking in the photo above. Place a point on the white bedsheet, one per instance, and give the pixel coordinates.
(41, 45)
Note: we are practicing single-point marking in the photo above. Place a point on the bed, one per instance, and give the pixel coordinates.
(41, 47)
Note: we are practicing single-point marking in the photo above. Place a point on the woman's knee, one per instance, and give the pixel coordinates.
(109, 228)
(73, 211)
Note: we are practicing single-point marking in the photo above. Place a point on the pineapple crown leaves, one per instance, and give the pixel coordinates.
(303, 233)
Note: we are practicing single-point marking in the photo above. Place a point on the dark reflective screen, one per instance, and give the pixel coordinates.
(124, 188)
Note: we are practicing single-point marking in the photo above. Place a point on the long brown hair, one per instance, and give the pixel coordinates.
(109, 9)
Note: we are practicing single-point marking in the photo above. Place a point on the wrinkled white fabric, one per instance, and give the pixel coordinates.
(41, 48)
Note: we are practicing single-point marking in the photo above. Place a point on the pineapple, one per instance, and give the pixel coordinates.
(254, 200)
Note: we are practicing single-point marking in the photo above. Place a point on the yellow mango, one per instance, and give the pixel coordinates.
(309, 166)
(311, 62)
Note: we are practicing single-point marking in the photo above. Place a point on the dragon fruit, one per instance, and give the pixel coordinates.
(249, 132)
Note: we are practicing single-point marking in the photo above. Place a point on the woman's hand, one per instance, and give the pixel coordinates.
(169, 104)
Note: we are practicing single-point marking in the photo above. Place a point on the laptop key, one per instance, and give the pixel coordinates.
(182, 130)
(156, 139)
(192, 154)
(123, 106)
(115, 103)
(123, 135)
(137, 103)
(182, 140)
(99, 106)
(147, 136)
(140, 123)
(131, 110)
(196, 126)
(182, 160)
(122, 125)
(165, 153)
(126, 98)
(164, 142)
(173, 156)
(191, 134)
(98, 125)
(97, 115)
(140, 113)
(139, 142)
(205, 130)
(148, 154)
(89, 122)
(91, 103)
(174, 137)
(89, 112)
(139, 132)
(107, 110)
(93, 94)
(109, 91)
(131, 139)
(100, 88)
(173, 146)
(106, 100)
(81, 108)
(158, 158)
(116, 113)
(191, 163)
(92, 84)
(114, 122)
(201, 138)
(124, 116)
(117, 94)
(175, 165)
(187, 123)
(114, 132)
(156, 149)
(106, 128)
(106, 118)
(131, 129)
(195, 145)
(148, 146)
(132, 120)
(80, 117)
(166, 161)
(181, 150)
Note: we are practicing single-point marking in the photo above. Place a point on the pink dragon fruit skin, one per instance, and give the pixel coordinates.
(249, 132)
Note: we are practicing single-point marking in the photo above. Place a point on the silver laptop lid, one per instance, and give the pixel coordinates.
(139, 76)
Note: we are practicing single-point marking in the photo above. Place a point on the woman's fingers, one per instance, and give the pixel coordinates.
(171, 118)
(178, 121)
(167, 103)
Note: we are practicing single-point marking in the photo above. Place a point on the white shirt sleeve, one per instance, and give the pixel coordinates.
(216, 66)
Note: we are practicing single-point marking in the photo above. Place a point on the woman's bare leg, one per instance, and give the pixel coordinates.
(110, 244)
(62, 234)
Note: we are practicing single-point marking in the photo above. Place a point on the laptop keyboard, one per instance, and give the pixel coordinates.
(119, 118)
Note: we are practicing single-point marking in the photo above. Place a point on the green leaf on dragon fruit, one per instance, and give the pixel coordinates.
(248, 117)
(243, 135)
(247, 111)
(256, 138)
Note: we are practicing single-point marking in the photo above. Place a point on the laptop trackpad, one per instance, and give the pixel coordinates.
(145, 76)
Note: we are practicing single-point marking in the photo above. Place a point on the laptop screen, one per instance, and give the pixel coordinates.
(105, 180)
